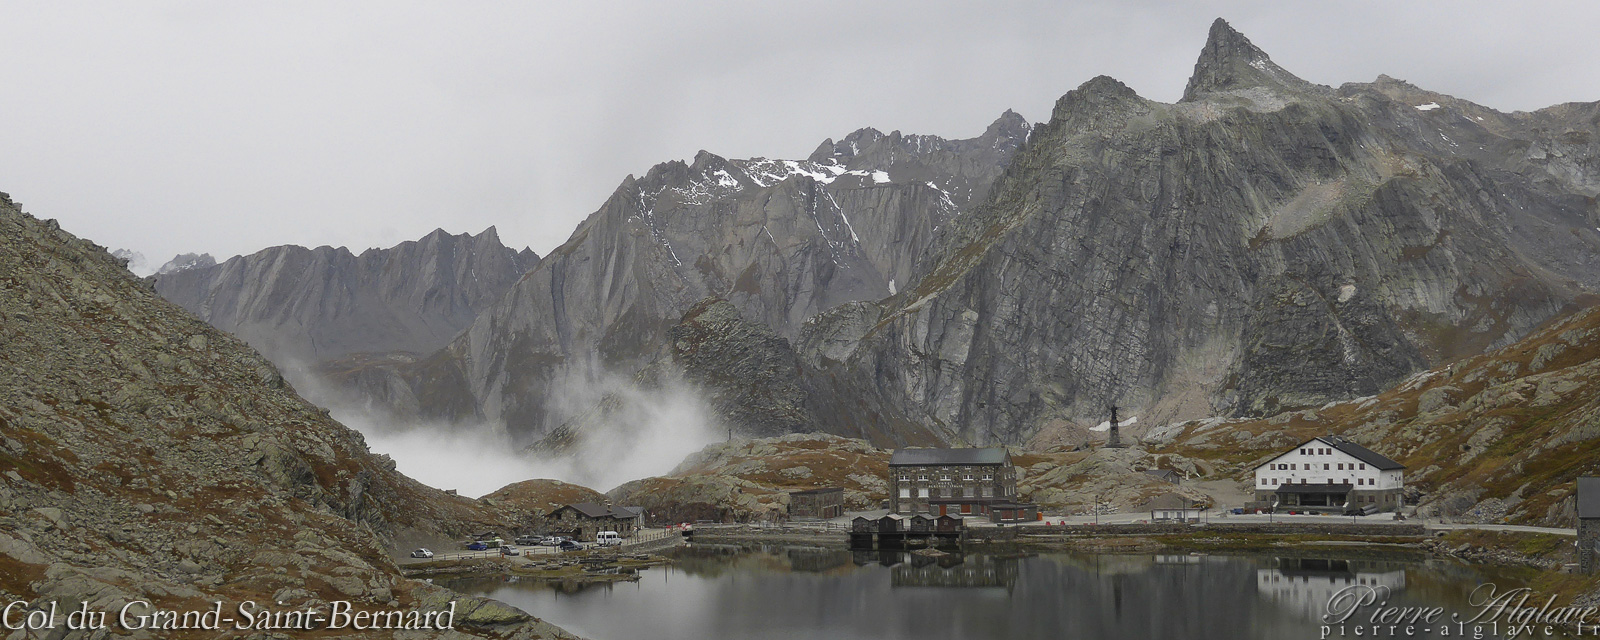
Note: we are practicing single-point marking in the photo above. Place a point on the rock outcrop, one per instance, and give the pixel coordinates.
(145, 455)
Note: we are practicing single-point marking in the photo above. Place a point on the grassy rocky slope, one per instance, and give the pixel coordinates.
(750, 479)
(145, 455)
(1497, 437)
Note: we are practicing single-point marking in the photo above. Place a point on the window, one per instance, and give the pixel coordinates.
(1324, 466)
(1291, 466)
(922, 478)
(988, 476)
(1363, 466)
(905, 493)
(966, 493)
(1263, 482)
(988, 492)
(905, 478)
(944, 478)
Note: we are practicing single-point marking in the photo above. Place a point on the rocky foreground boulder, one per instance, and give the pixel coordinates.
(147, 456)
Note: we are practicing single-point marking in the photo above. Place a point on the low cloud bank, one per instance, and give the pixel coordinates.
(624, 431)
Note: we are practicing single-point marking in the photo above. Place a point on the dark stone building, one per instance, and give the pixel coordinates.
(1589, 525)
(1165, 475)
(816, 503)
(583, 520)
(950, 481)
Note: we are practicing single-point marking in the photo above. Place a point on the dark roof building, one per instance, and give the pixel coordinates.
(583, 520)
(1330, 474)
(961, 481)
(1167, 475)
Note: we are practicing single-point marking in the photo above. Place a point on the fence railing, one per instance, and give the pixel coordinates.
(649, 536)
(777, 527)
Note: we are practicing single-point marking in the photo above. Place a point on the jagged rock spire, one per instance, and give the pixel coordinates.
(1230, 61)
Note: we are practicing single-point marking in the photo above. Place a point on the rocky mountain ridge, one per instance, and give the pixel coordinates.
(1262, 245)
(781, 240)
(307, 306)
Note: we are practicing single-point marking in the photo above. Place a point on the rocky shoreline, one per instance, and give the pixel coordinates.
(587, 569)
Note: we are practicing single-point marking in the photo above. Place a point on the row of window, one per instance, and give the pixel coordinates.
(968, 492)
(1359, 481)
(1326, 466)
(924, 478)
(1315, 451)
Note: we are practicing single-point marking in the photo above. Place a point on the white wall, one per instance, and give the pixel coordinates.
(1322, 463)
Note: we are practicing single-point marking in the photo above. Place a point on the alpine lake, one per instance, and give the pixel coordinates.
(756, 591)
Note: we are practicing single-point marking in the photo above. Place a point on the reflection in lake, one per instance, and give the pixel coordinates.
(800, 593)
(1305, 585)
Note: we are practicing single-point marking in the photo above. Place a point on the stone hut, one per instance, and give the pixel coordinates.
(824, 504)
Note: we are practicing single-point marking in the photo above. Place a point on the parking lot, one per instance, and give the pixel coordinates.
(532, 552)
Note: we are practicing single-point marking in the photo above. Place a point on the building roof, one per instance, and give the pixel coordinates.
(812, 492)
(1363, 454)
(1377, 460)
(1313, 489)
(1169, 501)
(923, 457)
(1164, 474)
(594, 510)
(1589, 497)
(627, 512)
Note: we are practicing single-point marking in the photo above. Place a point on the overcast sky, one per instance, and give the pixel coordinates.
(227, 127)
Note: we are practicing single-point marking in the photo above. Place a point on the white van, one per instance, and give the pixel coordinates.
(607, 539)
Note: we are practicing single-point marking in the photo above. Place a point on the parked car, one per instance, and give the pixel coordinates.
(528, 541)
(478, 546)
(553, 541)
(422, 553)
(568, 545)
(508, 550)
(607, 539)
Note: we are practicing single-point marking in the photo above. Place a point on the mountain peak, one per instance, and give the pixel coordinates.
(1230, 61)
(1009, 125)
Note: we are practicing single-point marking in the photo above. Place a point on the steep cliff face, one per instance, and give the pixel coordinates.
(781, 240)
(1263, 244)
(309, 305)
(145, 455)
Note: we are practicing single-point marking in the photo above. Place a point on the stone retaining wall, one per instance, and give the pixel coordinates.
(1270, 528)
